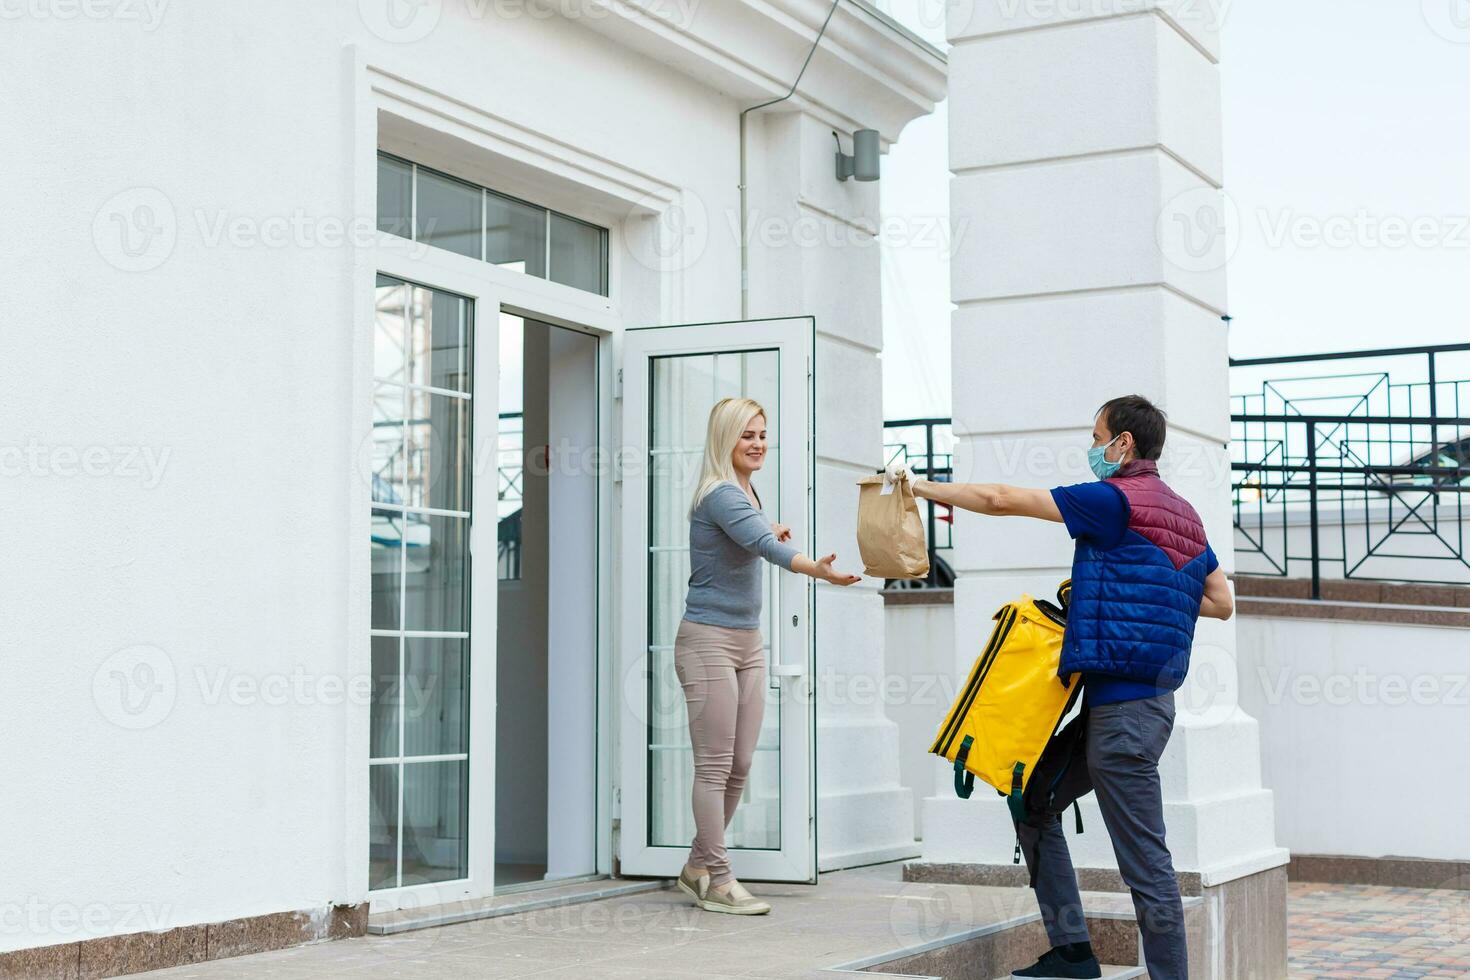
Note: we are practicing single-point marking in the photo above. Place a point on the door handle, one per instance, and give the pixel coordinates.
(788, 670)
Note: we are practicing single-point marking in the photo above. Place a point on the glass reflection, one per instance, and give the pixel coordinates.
(436, 573)
(435, 820)
(435, 697)
(448, 214)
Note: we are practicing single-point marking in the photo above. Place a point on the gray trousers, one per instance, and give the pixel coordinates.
(1124, 742)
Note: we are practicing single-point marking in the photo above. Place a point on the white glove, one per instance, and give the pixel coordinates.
(897, 472)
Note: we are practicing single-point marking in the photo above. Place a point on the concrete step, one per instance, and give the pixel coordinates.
(1013, 941)
(509, 902)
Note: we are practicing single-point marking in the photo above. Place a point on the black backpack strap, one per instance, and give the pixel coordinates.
(1015, 800)
(1077, 813)
(964, 781)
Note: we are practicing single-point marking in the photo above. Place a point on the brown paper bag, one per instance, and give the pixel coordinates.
(890, 533)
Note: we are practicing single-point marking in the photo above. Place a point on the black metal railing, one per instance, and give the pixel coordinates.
(923, 444)
(1352, 474)
(1355, 473)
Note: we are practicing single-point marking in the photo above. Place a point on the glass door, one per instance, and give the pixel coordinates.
(672, 377)
(430, 764)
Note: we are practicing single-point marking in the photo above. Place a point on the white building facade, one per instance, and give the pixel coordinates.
(338, 301)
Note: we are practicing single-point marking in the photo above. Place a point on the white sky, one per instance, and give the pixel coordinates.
(1341, 117)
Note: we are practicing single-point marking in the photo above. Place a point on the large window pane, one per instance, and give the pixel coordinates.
(395, 196)
(577, 254)
(435, 697)
(515, 235)
(683, 390)
(435, 818)
(418, 453)
(448, 214)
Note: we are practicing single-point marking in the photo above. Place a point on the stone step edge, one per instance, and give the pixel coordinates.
(1090, 910)
(1361, 591)
(515, 903)
(1353, 612)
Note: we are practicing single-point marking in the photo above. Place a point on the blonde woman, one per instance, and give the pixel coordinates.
(717, 650)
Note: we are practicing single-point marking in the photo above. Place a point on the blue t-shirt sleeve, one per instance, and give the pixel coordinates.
(1211, 562)
(1097, 512)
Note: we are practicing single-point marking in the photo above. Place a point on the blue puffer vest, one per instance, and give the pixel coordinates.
(1134, 605)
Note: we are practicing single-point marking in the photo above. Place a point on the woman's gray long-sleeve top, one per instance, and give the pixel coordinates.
(728, 537)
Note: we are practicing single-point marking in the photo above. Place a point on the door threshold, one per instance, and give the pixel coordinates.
(551, 896)
(541, 885)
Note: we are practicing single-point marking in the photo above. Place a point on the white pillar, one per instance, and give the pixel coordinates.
(813, 251)
(1087, 166)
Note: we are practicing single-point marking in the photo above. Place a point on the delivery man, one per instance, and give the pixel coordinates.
(1141, 576)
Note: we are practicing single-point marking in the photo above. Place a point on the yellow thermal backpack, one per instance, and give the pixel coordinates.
(1012, 702)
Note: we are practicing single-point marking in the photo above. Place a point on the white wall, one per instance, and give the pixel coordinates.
(233, 363)
(234, 565)
(919, 686)
(1363, 729)
(216, 386)
(571, 737)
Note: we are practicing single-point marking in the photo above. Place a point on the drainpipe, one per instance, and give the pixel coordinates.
(744, 231)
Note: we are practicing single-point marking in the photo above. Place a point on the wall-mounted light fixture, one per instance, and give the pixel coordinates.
(863, 162)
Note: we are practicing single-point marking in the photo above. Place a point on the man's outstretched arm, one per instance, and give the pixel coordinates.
(995, 499)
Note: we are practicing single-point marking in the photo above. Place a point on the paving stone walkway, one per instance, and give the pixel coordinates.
(1377, 931)
(1347, 931)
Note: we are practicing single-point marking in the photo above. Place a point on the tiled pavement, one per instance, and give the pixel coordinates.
(1377, 931)
(655, 936)
(1335, 931)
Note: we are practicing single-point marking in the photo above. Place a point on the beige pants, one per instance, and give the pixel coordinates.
(723, 673)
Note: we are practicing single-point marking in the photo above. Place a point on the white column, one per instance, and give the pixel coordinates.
(813, 251)
(1087, 171)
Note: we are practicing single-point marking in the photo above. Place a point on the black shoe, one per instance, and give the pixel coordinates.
(1053, 966)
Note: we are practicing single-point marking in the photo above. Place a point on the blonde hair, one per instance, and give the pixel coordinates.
(726, 422)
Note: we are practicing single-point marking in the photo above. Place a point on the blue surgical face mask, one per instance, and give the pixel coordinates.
(1098, 460)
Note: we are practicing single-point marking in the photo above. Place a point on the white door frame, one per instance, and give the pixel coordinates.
(495, 290)
(793, 644)
(430, 268)
(390, 99)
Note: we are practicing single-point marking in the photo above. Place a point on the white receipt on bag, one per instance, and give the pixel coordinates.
(888, 486)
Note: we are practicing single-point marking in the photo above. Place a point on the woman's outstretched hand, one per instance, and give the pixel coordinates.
(829, 574)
